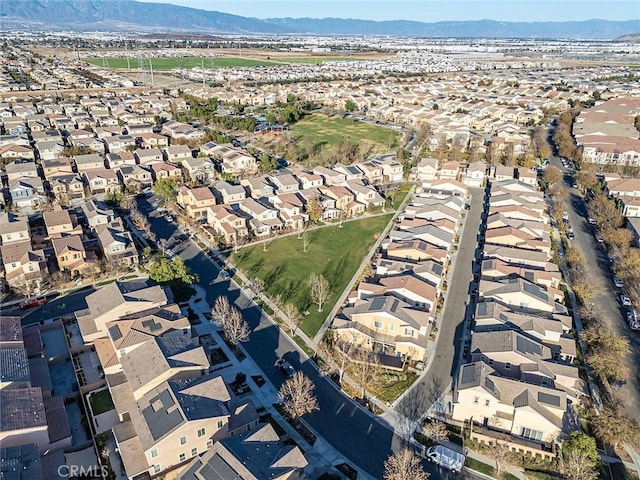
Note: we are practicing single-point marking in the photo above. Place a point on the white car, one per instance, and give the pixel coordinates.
(625, 300)
(224, 274)
(599, 239)
(591, 221)
(617, 282)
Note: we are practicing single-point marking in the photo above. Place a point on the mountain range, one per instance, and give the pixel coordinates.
(130, 16)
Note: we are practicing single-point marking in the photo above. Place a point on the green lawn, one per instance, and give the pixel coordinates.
(183, 62)
(334, 252)
(101, 402)
(320, 129)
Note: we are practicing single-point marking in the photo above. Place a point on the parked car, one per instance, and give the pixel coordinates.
(633, 319)
(225, 275)
(285, 367)
(570, 235)
(33, 302)
(617, 282)
(591, 221)
(599, 239)
(565, 215)
(625, 300)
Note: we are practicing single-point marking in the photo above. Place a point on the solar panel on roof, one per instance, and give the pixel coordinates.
(549, 399)
(115, 333)
(152, 325)
(378, 303)
(218, 469)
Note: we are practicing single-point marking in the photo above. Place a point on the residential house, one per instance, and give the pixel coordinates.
(502, 172)
(145, 156)
(386, 324)
(329, 176)
(117, 244)
(177, 153)
(196, 201)
(449, 170)
(165, 171)
(475, 174)
(259, 187)
(533, 413)
(227, 223)
(253, 455)
(24, 266)
(228, 193)
(407, 287)
(372, 171)
(58, 223)
(102, 180)
(392, 170)
(365, 194)
(427, 169)
(350, 172)
(91, 161)
(67, 188)
(13, 230)
(21, 169)
(56, 167)
(14, 152)
(496, 269)
(428, 233)
(200, 169)
(521, 295)
(285, 183)
(308, 180)
(528, 176)
(291, 209)
(234, 161)
(416, 250)
(152, 140)
(117, 160)
(443, 187)
(430, 271)
(114, 301)
(264, 220)
(27, 192)
(517, 256)
(97, 214)
(49, 149)
(119, 143)
(71, 255)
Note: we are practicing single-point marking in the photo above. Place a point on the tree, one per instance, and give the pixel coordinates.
(165, 270)
(139, 221)
(607, 349)
(296, 396)
(166, 188)
(350, 105)
(367, 272)
(404, 465)
(436, 430)
(580, 456)
(365, 366)
(501, 453)
(293, 315)
(236, 328)
(605, 212)
(587, 180)
(319, 289)
(552, 175)
(314, 209)
(306, 240)
(257, 284)
(614, 426)
(221, 311)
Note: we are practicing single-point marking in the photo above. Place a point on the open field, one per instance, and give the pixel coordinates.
(333, 252)
(332, 130)
(170, 63)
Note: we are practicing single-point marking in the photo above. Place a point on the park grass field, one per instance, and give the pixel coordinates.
(170, 63)
(332, 130)
(333, 252)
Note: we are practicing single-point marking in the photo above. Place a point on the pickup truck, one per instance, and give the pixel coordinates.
(445, 457)
(33, 302)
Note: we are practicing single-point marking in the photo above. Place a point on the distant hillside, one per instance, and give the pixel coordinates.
(633, 37)
(129, 15)
(590, 29)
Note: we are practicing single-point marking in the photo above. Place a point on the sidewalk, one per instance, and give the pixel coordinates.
(321, 456)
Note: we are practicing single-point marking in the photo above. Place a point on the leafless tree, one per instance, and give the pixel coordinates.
(139, 221)
(436, 429)
(238, 242)
(404, 465)
(257, 284)
(306, 240)
(236, 328)
(365, 367)
(319, 289)
(296, 396)
(339, 349)
(293, 315)
(501, 453)
(577, 465)
(221, 311)
(162, 243)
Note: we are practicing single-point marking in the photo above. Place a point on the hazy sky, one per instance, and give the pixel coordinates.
(426, 10)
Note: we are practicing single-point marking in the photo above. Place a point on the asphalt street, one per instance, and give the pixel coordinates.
(365, 440)
(428, 389)
(356, 434)
(606, 295)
